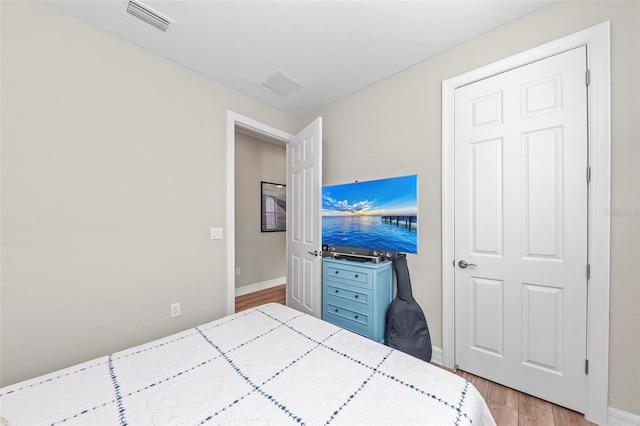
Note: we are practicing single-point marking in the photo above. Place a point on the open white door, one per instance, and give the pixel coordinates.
(304, 231)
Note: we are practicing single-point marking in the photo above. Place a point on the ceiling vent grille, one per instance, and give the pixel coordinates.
(282, 84)
(148, 15)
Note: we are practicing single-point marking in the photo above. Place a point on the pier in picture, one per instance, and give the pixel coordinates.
(377, 214)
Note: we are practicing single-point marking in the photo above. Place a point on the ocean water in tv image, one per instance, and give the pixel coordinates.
(377, 214)
(368, 232)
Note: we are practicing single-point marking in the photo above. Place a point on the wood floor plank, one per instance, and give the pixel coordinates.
(275, 294)
(504, 395)
(565, 417)
(530, 415)
(503, 415)
(482, 385)
(530, 411)
(525, 400)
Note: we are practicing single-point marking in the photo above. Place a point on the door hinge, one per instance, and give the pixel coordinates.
(586, 366)
(587, 77)
(588, 271)
(588, 174)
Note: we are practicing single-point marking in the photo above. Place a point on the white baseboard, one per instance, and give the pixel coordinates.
(436, 355)
(246, 289)
(617, 417)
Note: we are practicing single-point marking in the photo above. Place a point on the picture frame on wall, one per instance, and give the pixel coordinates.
(273, 206)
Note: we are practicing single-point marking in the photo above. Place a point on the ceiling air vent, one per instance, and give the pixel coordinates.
(281, 84)
(148, 15)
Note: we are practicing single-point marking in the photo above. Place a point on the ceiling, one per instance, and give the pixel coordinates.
(332, 48)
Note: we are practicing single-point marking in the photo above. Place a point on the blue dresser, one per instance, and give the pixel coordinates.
(355, 295)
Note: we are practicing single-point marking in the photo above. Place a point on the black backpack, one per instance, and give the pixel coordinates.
(406, 326)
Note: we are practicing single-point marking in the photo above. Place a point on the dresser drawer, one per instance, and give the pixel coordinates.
(353, 276)
(359, 296)
(355, 295)
(349, 318)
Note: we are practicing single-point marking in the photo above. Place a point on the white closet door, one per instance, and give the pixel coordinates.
(521, 225)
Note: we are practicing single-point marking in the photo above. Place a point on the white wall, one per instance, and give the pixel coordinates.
(393, 127)
(113, 170)
(261, 256)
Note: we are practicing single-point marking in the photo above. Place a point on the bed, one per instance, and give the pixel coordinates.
(269, 365)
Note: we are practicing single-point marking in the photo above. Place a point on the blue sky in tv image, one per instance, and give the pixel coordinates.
(377, 214)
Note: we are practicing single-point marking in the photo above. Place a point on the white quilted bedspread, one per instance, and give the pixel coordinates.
(266, 366)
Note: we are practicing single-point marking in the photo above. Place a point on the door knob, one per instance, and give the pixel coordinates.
(314, 253)
(463, 264)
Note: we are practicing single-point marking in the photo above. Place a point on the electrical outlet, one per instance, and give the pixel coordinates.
(237, 271)
(175, 310)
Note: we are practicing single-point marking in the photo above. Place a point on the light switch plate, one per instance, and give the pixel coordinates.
(216, 233)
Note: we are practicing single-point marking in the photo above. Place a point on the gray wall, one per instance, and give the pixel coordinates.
(111, 183)
(113, 171)
(396, 125)
(261, 256)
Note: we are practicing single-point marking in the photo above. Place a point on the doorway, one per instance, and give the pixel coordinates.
(304, 181)
(237, 122)
(260, 234)
(597, 43)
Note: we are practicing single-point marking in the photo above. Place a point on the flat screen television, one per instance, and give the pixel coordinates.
(377, 215)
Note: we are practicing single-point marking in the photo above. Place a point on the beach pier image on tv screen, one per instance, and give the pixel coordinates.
(377, 214)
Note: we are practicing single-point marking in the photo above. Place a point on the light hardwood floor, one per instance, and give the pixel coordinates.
(509, 407)
(275, 294)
